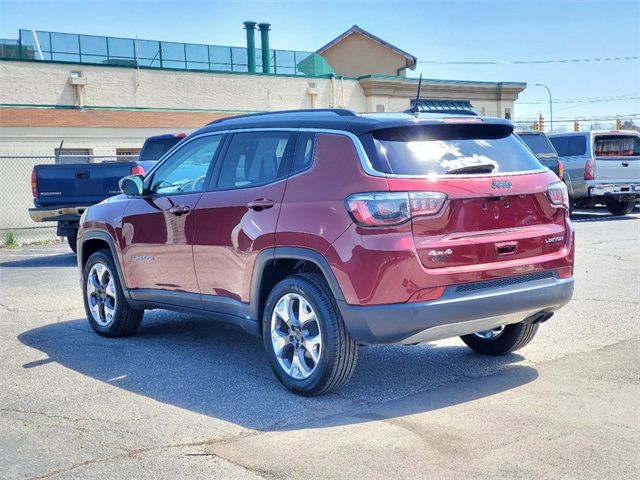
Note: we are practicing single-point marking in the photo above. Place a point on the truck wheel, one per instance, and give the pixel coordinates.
(501, 340)
(107, 309)
(618, 208)
(73, 245)
(572, 205)
(308, 345)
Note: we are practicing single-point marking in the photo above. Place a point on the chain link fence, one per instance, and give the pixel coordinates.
(16, 198)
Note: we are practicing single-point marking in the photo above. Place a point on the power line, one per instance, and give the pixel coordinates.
(606, 118)
(628, 96)
(527, 62)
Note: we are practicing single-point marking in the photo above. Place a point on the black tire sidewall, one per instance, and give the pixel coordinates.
(327, 322)
(102, 256)
(619, 208)
(73, 243)
(509, 340)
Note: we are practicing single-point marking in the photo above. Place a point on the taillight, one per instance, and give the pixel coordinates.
(560, 170)
(34, 183)
(379, 209)
(137, 170)
(565, 272)
(590, 170)
(558, 195)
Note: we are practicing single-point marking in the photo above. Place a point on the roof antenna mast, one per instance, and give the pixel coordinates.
(414, 110)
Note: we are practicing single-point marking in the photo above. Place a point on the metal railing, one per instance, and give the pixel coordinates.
(131, 52)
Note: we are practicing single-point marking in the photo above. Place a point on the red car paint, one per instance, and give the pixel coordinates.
(211, 248)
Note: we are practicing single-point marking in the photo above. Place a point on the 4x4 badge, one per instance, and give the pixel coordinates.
(496, 184)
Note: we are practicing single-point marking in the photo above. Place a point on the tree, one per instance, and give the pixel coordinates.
(629, 125)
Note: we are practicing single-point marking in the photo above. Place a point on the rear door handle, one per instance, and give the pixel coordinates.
(180, 209)
(625, 164)
(82, 174)
(260, 204)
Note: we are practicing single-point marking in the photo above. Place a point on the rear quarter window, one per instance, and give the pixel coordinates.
(570, 145)
(442, 149)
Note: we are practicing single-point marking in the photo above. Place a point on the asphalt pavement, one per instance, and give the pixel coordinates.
(186, 397)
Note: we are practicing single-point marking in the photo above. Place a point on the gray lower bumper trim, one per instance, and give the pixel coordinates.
(455, 313)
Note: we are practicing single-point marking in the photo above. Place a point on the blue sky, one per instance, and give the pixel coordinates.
(454, 30)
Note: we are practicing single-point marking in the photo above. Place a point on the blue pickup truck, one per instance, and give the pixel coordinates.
(62, 192)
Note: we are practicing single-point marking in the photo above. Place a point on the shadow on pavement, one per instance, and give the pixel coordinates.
(217, 370)
(62, 260)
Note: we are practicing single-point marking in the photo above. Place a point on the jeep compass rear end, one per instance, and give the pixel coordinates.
(324, 231)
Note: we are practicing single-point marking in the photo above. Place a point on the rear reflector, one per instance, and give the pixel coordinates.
(379, 209)
(426, 294)
(137, 170)
(34, 183)
(565, 272)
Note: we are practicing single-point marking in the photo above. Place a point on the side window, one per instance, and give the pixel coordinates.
(577, 145)
(561, 144)
(186, 169)
(255, 158)
(304, 152)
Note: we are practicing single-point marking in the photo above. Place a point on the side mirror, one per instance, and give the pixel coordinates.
(132, 185)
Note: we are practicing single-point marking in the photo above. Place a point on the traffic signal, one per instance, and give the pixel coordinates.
(576, 126)
(541, 123)
(618, 124)
(536, 126)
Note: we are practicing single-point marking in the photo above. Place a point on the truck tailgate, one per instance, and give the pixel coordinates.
(79, 184)
(617, 158)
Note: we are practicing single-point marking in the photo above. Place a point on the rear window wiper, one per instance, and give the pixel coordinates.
(475, 168)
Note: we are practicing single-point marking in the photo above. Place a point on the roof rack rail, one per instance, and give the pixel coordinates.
(342, 112)
(455, 111)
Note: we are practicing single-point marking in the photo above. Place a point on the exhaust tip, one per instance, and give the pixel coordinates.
(539, 317)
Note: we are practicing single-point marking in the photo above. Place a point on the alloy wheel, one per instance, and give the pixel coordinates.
(490, 334)
(101, 294)
(296, 336)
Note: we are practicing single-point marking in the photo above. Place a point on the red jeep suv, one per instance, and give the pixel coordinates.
(325, 230)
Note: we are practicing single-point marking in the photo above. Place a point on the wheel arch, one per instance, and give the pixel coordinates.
(275, 264)
(90, 243)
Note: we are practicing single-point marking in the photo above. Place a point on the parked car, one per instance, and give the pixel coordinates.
(325, 230)
(63, 191)
(601, 167)
(542, 148)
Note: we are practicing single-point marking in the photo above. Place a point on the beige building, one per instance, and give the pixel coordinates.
(111, 107)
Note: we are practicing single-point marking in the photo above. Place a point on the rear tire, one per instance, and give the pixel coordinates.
(313, 332)
(73, 243)
(618, 208)
(511, 338)
(107, 309)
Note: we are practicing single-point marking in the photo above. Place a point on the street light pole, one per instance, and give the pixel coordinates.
(550, 105)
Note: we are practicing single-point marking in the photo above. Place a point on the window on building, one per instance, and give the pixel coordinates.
(73, 155)
(127, 152)
(379, 108)
(507, 113)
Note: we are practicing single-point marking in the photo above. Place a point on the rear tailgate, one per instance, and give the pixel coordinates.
(479, 226)
(617, 158)
(79, 184)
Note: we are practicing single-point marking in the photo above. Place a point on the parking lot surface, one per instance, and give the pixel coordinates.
(186, 397)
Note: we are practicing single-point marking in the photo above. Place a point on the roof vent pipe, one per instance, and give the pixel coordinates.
(266, 52)
(250, 27)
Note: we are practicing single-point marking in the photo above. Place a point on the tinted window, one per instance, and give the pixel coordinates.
(539, 144)
(186, 169)
(442, 149)
(154, 148)
(570, 145)
(304, 152)
(254, 158)
(617, 146)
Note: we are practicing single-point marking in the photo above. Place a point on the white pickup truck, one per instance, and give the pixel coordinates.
(601, 167)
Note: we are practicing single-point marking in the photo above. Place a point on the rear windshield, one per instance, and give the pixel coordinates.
(444, 149)
(539, 144)
(154, 148)
(617, 146)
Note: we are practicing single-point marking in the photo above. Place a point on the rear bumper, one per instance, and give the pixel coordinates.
(57, 214)
(462, 310)
(622, 191)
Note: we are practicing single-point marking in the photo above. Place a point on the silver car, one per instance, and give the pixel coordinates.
(601, 167)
